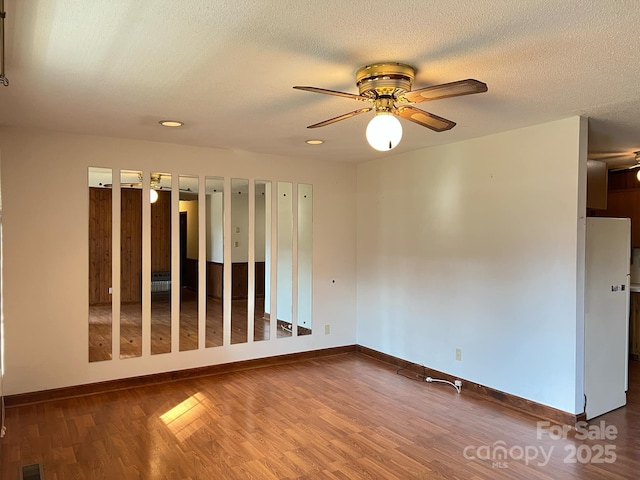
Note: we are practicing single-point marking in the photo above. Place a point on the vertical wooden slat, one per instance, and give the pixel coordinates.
(131, 245)
(99, 246)
(161, 233)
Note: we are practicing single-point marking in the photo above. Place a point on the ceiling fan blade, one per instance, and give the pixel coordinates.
(611, 156)
(341, 117)
(446, 90)
(124, 185)
(622, 169)
(426, 119)
(353, 96)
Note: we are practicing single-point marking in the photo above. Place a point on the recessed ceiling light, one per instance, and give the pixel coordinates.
(171, 123)
(315, 142)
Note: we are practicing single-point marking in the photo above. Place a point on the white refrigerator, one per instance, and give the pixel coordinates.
(606, 326)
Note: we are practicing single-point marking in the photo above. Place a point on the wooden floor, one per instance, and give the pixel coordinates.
(100, 327)
(341, 417)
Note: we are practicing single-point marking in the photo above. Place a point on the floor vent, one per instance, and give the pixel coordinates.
(31, 472)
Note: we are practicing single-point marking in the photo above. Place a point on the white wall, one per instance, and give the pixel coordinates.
(476, 245)
(191, 208)
(305, 255)
(45, 210)
(260, 232)
(239, 223)
(268, 245)
(215, 230)
(284, 260)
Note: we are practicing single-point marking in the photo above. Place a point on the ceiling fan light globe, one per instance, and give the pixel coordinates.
(384, 132)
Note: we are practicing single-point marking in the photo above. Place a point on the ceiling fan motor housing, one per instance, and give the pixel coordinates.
(385, 79)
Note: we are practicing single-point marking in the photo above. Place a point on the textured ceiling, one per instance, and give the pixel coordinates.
(226, 69)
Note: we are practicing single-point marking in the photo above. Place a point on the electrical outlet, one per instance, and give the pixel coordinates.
(459, 354)
(458, 383)
(110, 290)
(327, 329)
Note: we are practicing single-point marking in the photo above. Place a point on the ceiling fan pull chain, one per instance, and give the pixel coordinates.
(3, 14)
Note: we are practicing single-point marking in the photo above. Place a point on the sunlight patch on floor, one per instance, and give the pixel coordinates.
(186, 418)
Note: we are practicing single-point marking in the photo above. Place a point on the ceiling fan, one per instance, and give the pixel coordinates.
(387, 86)
(154, 185)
